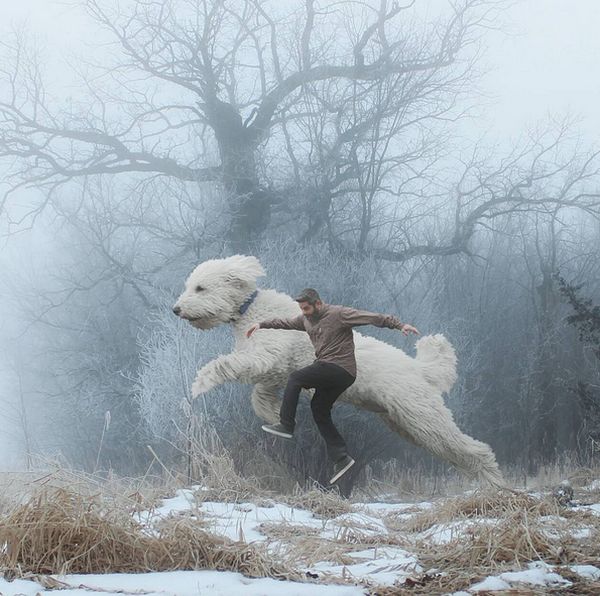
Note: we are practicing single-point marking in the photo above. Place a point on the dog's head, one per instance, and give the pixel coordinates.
(216, 289)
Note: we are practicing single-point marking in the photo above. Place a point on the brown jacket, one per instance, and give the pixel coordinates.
(330, 331)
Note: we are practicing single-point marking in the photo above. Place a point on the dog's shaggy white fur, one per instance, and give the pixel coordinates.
(406, 392)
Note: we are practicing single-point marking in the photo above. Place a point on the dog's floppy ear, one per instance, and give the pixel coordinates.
(243, 270)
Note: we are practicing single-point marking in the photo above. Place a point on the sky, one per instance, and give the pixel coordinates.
(546, 65)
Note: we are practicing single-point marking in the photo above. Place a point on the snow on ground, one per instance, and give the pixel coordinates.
(387, 565)
(588, 571)
(538, 574)
(354, 555)
(447, 532)
(175, 583)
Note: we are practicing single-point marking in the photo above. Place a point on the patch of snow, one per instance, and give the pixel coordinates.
(356, 523)
(183, 501)
(378, 552)
(587, 571)
(537, 576)
(394, 507)
(382, 570)
(177, 583)
(581, 533)
(490, 584)
(449, 531)
(594, 485)
(239, 521)
(236, 521)
(19, 587)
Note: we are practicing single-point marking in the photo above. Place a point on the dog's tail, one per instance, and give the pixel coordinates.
(437, 358)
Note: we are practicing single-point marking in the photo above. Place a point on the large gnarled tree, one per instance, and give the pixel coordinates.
(199, 88)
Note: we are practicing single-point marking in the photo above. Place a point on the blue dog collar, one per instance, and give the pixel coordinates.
(248, 302)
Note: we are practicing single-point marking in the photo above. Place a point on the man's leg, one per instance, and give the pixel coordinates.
(338, 380)
(309, 376)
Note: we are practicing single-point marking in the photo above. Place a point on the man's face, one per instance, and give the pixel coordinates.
(308, 309)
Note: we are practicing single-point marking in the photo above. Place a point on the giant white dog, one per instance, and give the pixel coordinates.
(406, 392)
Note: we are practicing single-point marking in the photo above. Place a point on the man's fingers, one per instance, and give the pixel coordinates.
(410, 330)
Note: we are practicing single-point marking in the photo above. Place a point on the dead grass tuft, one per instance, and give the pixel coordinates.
(582, 476)
(322, 503)
(581, 586)
(285, 531)
(59, 531)
(479, 504)
(517, 538)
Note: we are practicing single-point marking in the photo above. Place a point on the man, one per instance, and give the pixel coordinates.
(329, 327)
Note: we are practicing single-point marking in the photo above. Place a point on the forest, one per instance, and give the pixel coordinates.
(326, 140)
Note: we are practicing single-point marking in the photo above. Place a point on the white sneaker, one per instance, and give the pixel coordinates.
(279, 430)
(341, 467)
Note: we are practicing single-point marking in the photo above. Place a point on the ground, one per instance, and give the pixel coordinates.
(463, 545)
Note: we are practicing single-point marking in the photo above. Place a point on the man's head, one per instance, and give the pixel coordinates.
(309, 301)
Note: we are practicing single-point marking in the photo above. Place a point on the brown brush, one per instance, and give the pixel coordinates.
(59, 532)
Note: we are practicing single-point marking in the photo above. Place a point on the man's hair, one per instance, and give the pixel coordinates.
(309, 295)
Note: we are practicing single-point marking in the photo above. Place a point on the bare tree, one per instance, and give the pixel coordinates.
(200, 86)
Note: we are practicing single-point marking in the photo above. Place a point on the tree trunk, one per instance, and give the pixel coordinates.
(249, 204)
(549, 392)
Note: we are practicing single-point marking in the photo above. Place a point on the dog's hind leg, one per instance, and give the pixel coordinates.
(266, 403)
(436, 431)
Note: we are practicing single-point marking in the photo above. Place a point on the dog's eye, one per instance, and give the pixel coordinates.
(199, 288)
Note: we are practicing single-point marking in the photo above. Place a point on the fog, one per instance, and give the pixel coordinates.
(541, 60)
(92, 261)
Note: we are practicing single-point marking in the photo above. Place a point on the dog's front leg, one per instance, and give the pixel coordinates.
(229, 367)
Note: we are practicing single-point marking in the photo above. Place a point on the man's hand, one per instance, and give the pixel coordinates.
(252, 329)
(406, 329)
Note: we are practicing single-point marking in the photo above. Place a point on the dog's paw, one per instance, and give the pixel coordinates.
(201, 385)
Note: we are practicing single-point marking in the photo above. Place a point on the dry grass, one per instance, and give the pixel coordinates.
(516, 538)
(285, 531)
(322, 503)
(417, 482)
(522, 531)
(133, 494)
(478, 504)
(72, 522)
(212, 466)
(224, 483)
(60, 531)
(508, 530)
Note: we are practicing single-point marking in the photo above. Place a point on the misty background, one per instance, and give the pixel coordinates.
(451, 194)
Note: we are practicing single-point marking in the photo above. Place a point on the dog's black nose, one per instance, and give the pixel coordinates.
(177, 310)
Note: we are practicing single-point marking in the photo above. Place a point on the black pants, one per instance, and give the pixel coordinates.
(329, 380)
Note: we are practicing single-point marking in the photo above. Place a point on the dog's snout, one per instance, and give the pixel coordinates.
(177, 310)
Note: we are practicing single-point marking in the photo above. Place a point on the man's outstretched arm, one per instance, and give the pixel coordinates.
(354, 317)
(296, 323)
